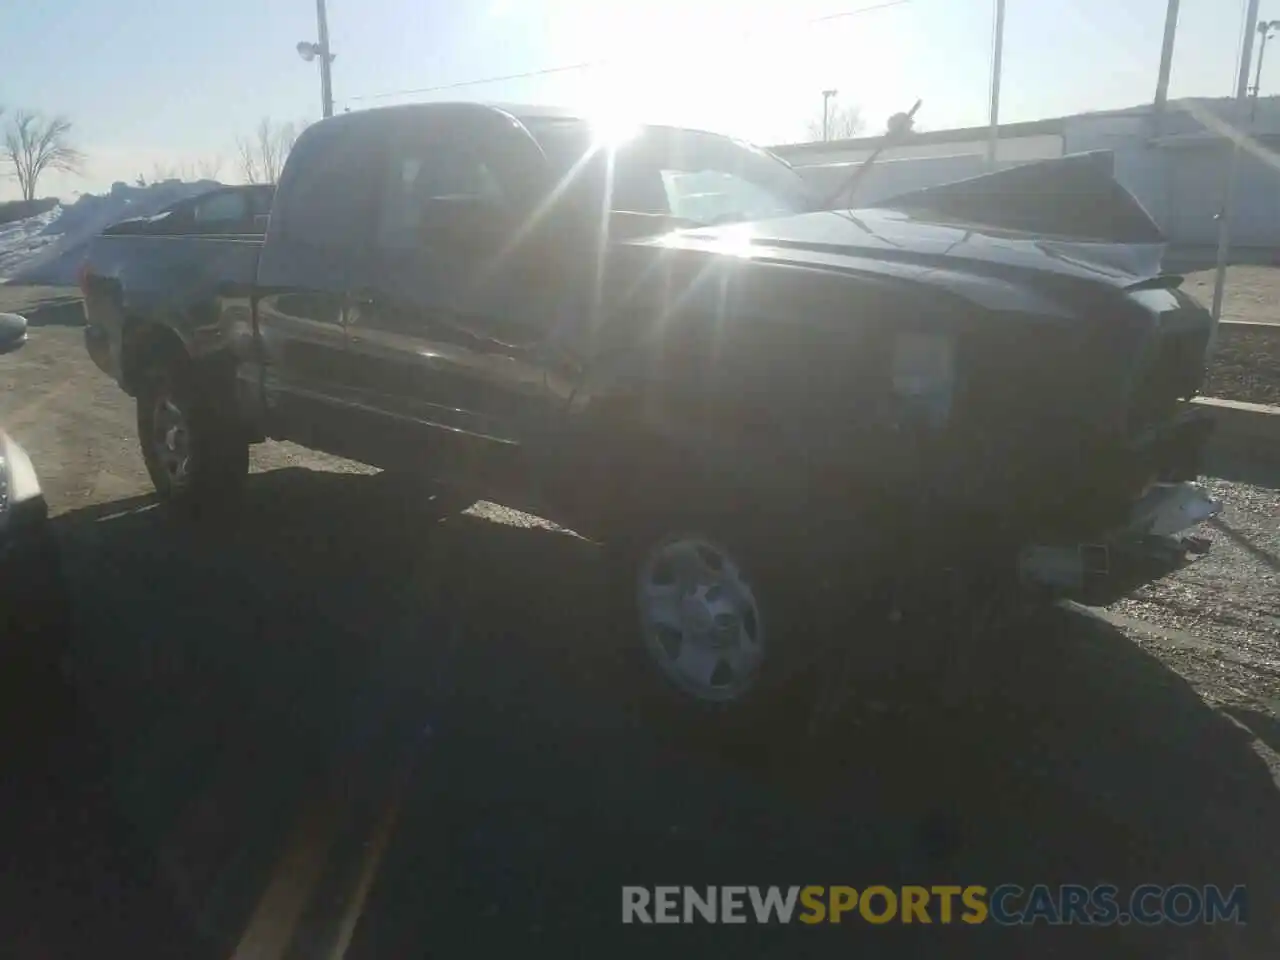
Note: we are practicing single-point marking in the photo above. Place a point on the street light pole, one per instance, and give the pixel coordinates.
(1166, 64)
(826, 115)
(1233, 163)
(309, 51)
(326, 80)
(1246, 50)
(997, 53)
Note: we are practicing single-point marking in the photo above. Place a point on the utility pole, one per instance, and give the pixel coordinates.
(326, 58)
(1166, 64)
(997, 52)
(1266, 30)
(309, 51)
(1229, 190)
(826, 113)
(1246, 50)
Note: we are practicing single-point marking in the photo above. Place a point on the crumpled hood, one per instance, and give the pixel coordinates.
(1068, 216)
(839, 239)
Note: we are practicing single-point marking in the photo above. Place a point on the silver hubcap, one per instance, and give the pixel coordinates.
(700, 619)
(171, 440)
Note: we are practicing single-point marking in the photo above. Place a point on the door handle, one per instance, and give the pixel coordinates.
(356, 301)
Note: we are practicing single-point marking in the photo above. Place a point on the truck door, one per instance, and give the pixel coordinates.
(319, 227)
(447, 321)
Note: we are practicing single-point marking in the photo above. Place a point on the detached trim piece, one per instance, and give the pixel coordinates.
(1155, 540)
(1171, 508)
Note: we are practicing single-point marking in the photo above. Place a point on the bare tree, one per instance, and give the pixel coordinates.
(188, 171)
(263, 154)
(209, 167)
(160, 172)
(843, 122)
(34, 143)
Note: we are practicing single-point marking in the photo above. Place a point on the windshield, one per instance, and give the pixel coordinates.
(700, 177)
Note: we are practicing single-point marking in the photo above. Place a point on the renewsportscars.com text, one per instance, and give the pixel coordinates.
(1005, 905)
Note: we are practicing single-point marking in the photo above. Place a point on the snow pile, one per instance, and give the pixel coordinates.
(48, 248)
(22, 240)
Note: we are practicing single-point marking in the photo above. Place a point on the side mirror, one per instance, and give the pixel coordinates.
(13, 332)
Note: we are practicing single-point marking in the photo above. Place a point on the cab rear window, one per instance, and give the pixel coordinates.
(326, 192)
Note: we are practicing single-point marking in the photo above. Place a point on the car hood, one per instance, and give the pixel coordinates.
(884, 239)
(1068, 217)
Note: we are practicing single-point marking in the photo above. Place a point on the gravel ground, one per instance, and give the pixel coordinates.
(1230, 599)
(1252, 292)
(1218, 620)
(1246, 363)
(227, 670)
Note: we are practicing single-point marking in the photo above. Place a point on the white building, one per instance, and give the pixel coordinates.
(1178, 173)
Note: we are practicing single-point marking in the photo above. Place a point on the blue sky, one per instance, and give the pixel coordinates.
(174, 81)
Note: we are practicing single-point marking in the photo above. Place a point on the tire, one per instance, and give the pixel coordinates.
(193, 446)
(724, 613)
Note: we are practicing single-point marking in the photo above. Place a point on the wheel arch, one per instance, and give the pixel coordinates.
(145, 343)
(643, 444)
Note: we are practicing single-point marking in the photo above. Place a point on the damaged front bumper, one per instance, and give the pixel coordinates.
(1156, 540)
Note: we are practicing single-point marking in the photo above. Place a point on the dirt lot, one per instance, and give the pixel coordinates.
(1246, 362)
(1252, 294)
(332, 687)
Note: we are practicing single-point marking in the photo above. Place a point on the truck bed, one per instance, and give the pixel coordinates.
(198, 287)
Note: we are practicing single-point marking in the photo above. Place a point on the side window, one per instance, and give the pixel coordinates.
(422, 169)
(260, 202)
(222, 208)
(325, 193)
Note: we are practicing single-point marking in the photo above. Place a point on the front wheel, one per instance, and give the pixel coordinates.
(701, 622)
(726, 611)
(196, 454)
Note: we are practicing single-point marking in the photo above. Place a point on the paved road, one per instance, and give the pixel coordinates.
(320, 662)
(336, 721)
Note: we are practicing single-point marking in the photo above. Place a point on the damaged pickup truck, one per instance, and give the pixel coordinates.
(764, 409)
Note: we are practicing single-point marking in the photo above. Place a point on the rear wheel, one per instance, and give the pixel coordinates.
(192, 444)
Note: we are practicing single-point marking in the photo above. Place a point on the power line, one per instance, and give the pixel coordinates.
(586, 64)
(853, 13)
(567, 68)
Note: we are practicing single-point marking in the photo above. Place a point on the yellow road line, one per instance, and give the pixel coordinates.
(299, 868)
(372, 859)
